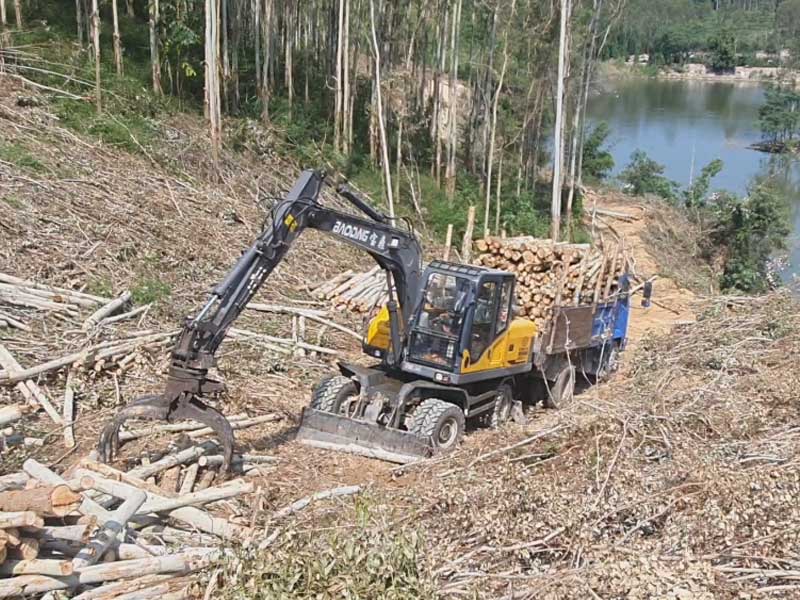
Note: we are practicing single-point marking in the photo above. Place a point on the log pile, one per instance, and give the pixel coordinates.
(98, 532)
(550, 275)
(357, 292)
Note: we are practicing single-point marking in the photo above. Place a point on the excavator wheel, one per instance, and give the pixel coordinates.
(438, 421)
(331, 394)
(502, 408)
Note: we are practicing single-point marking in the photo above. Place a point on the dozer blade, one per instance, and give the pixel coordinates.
(337, 432)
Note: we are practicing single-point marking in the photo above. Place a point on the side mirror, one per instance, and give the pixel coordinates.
(647, 293)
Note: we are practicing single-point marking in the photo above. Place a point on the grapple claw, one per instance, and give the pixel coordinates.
(164, 408)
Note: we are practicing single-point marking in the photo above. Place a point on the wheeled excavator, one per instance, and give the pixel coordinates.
(445, 348)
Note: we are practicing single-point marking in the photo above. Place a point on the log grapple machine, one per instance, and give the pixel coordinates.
(446, 347)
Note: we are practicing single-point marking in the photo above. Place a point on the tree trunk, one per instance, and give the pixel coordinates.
(256, 10)
(498, 191)
(236, 36)
(288, 62)
(399, 160)
(558, 131)
(129, 8)
(18, 13)
(387, 173)
(117, 39)
(347, 124)
(212, 98)
(452, 133)
(264, 90)
(490, 159)
(155, 60)
(338, 81)
(96, 44)
(226, 59)
(78, 18)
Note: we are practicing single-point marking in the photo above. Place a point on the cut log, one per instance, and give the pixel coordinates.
(70, 533)
(40, 472)
(28, 549)
(107, 535)
(11, 414)
(189, 477)
(106, 311)
(56, 568)
(172, 460)
(20, 519)
(13, 481)
(49, 501)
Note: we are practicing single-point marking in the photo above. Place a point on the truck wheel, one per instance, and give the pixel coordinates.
(503, 405)
(438, 421)
(610, 363)
(331, 394)
(562, 389)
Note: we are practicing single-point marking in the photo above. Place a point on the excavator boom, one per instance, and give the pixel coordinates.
(396, 250)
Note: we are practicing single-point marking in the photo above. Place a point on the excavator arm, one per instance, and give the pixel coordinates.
(396, 250)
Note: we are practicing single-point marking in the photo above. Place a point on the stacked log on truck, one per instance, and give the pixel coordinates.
(550, 275)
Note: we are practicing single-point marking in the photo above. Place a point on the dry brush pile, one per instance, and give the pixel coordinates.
(678, 480)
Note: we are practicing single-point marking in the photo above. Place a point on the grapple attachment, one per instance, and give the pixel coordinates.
(338, 432)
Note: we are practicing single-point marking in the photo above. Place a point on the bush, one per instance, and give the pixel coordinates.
(645, 176)
(368, 564)
(751, 230)
(597, 161)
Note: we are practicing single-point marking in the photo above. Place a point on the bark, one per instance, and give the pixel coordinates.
(347, 125)
(498, 191)
(78, 18)
(117, 39)
(129, 8)
(387, 173)
(264, 90)
(155, 60)
(18, 13)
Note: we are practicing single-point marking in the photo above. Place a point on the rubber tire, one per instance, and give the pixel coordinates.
(562, 389)
(610, 364)
(430, 417)
(501, 413)
(331, 392)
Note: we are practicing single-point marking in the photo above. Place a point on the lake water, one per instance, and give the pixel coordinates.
(684, 125)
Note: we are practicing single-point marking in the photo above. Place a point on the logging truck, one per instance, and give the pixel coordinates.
(449, 345)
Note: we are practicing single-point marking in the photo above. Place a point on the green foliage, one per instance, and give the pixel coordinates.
(696, 193)
(751, 229)
(100, 286)
(779, 116)
(723, 52)
(17, 154)
(645, 176)
(597, 160)
(369, 563)
(149, 290)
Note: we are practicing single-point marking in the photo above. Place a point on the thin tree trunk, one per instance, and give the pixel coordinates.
(155, 60)
(498, 191)
(387, 174)
(264, 90)
(289, 66)
(347, 124)
(558, 132)
(117, 39)
(18, 13)
(212, 98)
(493, 134)
(399, 161)
(129, 8)
(452, 137)
(256, 9)
(96, 44)
(226, 59)
(236, 35)
(338, 81)
(78, 18)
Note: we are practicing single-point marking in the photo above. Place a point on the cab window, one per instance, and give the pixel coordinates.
(504, 307)
(483, 319)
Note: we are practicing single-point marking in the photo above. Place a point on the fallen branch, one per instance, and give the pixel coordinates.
(304, 502)
(105, 311)
(56, 568)
(519, 444)
(69, 413)
(33, 392)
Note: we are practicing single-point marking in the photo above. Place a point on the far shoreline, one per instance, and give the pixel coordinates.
(699, 72)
